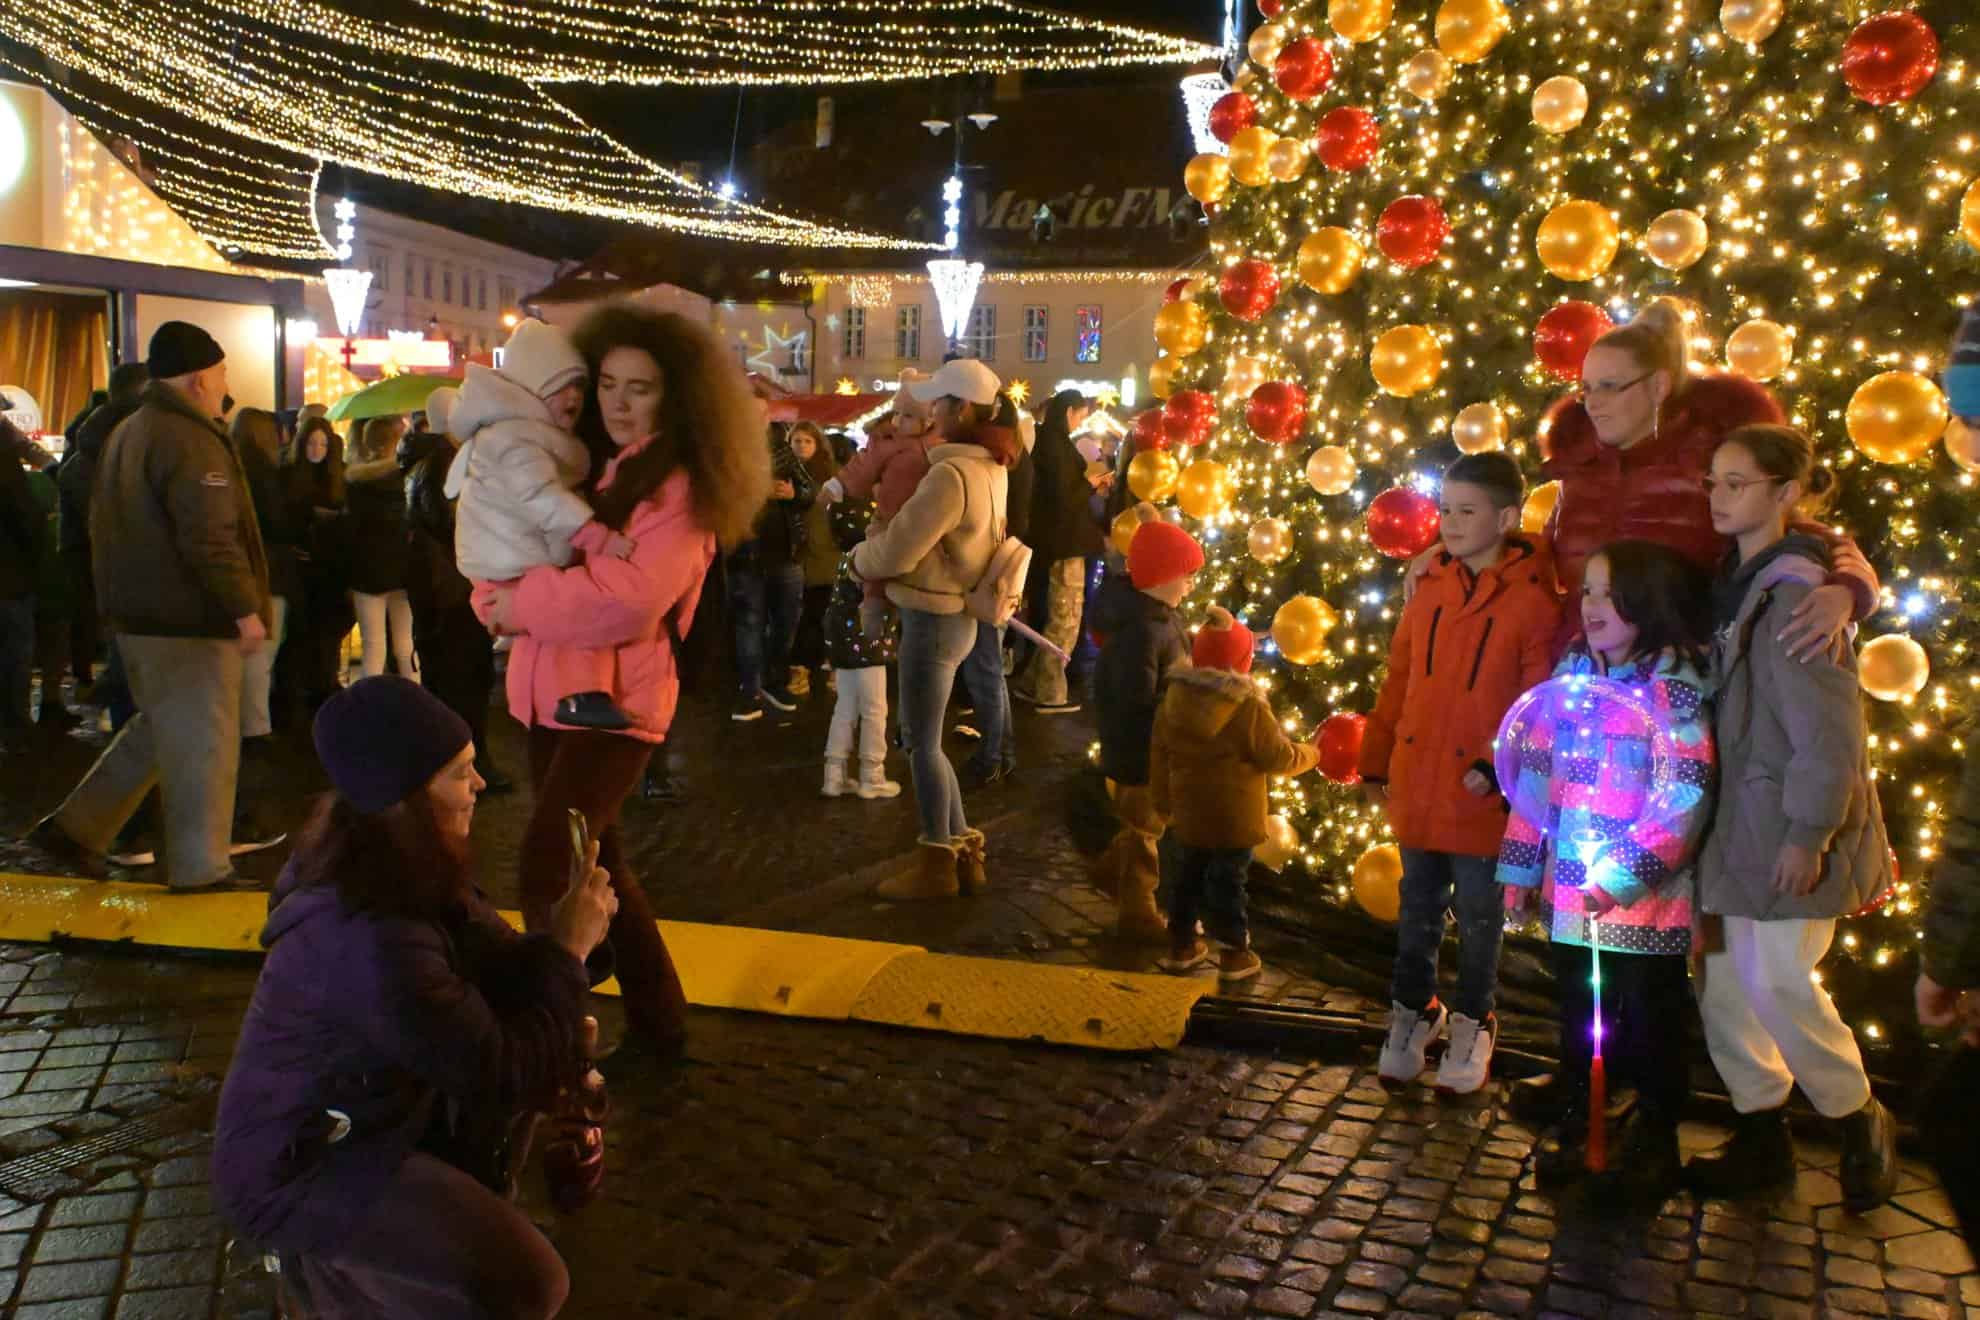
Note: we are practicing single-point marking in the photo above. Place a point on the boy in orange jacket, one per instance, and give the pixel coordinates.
(1478, 632)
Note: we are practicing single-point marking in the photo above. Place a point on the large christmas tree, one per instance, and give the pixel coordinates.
(1429, 210)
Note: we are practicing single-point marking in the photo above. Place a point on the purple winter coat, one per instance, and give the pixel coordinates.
(378, 1017)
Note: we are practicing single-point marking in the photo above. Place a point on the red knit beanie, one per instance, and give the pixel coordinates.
(1222, 643)
(1162, 552)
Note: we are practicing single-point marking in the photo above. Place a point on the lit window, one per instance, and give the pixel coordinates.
(1035, 323)
(852, 343)
(979, 337)
(907, 333)
(1086, 330)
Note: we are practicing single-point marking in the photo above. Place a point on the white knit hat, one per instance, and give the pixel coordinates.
(540, 359)
(440, 407)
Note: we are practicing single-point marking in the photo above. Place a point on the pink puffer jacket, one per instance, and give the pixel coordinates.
(601, 624)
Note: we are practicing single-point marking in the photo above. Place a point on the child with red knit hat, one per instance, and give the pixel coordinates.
(1143, 641)
(1216, 744)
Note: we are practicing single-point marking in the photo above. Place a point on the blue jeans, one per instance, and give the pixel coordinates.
(17, 664)
(983, 679)
(1210, 885)
(1434, 883)
(764, 602)
(933, 647)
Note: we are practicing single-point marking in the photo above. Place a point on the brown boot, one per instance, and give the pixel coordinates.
(974, 852)
(1141, 921)
(933, 876)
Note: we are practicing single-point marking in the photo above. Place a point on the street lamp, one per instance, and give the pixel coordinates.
(348, 291)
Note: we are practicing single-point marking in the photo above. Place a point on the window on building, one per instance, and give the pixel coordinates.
(979, 336)
(409, 274)
(1086, 330)
(907, 333)
(446, 286)
(506, 289)
(481, 291)
(1035, 324)
(379, 262)
(426, 280)
(852, 342)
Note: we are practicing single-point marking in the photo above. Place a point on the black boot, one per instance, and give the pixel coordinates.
(1646, 1170)
(1869, 1162)
(1541, 1099)
(1561, 1157)
(1759, 1158)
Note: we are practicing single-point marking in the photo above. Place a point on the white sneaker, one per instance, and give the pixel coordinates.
(873, 781)
(1410, 1035)
(1467, 1061)
(836, 783)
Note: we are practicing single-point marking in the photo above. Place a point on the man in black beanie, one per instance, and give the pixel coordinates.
(182, 578)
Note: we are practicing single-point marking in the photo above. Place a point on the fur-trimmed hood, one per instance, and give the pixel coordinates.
(1202, 701)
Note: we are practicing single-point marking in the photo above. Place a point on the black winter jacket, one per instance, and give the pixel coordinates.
(1952, 915)
(1143, 642)
(77, 474)
(1062, 525)
(21, 528)
(375, 496)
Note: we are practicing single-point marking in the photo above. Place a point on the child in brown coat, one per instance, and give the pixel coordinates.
(1216, 743)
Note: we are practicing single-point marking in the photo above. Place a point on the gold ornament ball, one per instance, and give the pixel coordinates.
(1207, 178)
(1126, 523)
(1407, 360)
(1578, 240)
(1539, 507)
(1969, 214)
(1162, 376)
(1760, 349)
(1331, 260)
(1479, 428)
(1182, 327)
(1330, 470)
(1270, 540)
(1204, 489)
(1264, 43)
(1427, 76)
(1281, 844)
(1250, 150)
(1963, 445)
(1893, 668)
(1152, 475)
(1467, 30)
(1751, 21)
(1677, 239)
(1560, 104)
(1245, 79)
(1300, 629)
(1378, 882)
(1896, 417)
(1359, 20)
(1288, 158)
(1243, 374)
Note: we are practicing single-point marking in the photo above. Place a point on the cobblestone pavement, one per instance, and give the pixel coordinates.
(834, 1170)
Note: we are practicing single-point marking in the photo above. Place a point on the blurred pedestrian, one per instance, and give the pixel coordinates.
(984, 672)
(766, 589)
(859, 668)
(821, 561)
(314, 485)
(1065, 536)
(258, 442)
(375, 495)
(74, 479)
(20, 562)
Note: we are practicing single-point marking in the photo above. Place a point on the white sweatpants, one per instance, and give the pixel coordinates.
(1770, 1025)
(863, 703)
(373, 615)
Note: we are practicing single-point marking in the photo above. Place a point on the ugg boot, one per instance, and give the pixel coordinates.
(836, 783)
(800, 684)
(873, 781)
(1141, 921)
(933, 876)
(1759, 1158)
(975, 851)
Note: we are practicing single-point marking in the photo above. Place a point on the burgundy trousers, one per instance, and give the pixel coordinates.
(593, 771)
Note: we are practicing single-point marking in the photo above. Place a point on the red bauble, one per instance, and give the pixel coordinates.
(1565, 334)
(1890, 58)
(1403, 523)
(1189, 417)
(1148, 431)
(1248, 288)
(1232, 113)
(1178, 289)
(1304, 69)
(1277, 412)
(1271, 8)
(1340, 747)
(1348, 139)
(1412, 231)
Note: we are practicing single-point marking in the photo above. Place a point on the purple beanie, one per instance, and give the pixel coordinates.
(383, 738)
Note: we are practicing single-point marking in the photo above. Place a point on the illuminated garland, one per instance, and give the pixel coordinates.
(807, 278)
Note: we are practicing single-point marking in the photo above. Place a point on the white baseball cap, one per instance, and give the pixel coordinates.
(965, 378)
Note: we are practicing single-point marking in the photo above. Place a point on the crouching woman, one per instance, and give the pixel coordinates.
(400, 1037)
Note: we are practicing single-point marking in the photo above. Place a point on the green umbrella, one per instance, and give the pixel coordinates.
(395, 394)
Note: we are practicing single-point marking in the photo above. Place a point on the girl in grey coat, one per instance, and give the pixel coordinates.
(1797, 839)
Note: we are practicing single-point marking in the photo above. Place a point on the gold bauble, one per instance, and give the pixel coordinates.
(1677, 239)
(1359, 20)
(1249, 152)
(1578, 240)
(1207, 178)
(1760, 349)
(1152, 475)
(1427, 76)
(1467, 30)
(1407, 360)
(1479, 428)
(1893, 668)
(1751, 21)
(1331, 260)
(1560, 104)
(1969, 214)
(1204, 488)
(1270, 540)
(1243, 374)
(1963, 445)
(1182, 327)
(1126, 523)
(1162, 376)
(1539, 507)
(1300, 629)
(1264, 43)
(1281, 844)
(1896, 417)
(1245, 79)
(1378, 882)
(1330, 470)
(1288, 158)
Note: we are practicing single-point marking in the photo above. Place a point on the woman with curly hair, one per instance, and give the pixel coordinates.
(678, 467)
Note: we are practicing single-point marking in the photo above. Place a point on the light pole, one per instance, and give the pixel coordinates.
(348, 287)
(956, 280)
